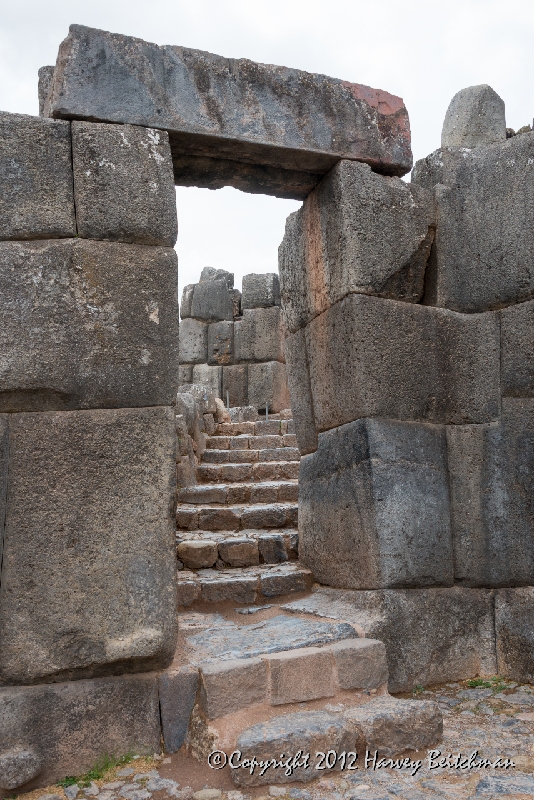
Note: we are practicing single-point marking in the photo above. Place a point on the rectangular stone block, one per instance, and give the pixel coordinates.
(116, 78)
(360, 663)
(517, 350)
(124, 184)
(177, 693)
(371, 357)
(212, 301)
(211, 377)
(267, 385)
(185, 374)
(36, 201)
(235, 382)
(228, 686)
(260, 291)
(87, 324)
(88, 574)
(241, 552)
(221, 343)
(515, 637)
(258, 335)
(4, 464)
(300, 391)
(491, 470)
(297, 676)
(356, 232)
(187, 300)
(374, 506)
(193, 342)
(67, 727)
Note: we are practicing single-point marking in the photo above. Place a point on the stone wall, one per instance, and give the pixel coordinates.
(233, 342)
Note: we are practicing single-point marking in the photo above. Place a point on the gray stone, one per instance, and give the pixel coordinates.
(517, 350)
(297, 676)
(185, 373)
(87, 324)
(407, 361)
(239, 552)
(374, 506)
(177, 693)
(258, 335)
(235, 383)
(116, 78)
(484, 239)
(475, 118)
(360, 663)
(491, 470)
(509, 784)
(44, 85)
(36, 177)
(220, 343)
(88, 574)
(515, 637)
(4, 467)
(197, 554)
(236, 588)
(276, 584)
(272, 548)
(212, 301)
(193, 341)
(203, 396)
(298, 379)
(260, 291)
(229, 686)
(187, 300)
(357, 232)
(18, 766)
(214, 274)
(269, 636)
(431, 635)
(209, 377)
(267, 385)
(124, 184)
(70, 725)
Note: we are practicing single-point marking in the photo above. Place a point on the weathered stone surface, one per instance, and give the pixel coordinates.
(275, 584)
(242, 552)
(258, 335)
(221, 343)
(187, 518)
(298, 379)
(431, 635)
(515, 637)
(18, 766)
(484, 238)
(272, 548)
(300, 675)
(214, 274)
(68, 726)
(212, 301)
(491, 470)
(185, 374)
(204, 398)
(269, 636)
(357, 232)
(260, 291)
(87, 324)
(4, 466)
(235, 383)
(114, 78)
(36, 201)
(193, 341)
(124, 184)
(267, 385)
(517, 350)
(177, 692)
(210, 377)
(228, 686)
(44, 85)
(88, 574)
(374, 506)
(197, 554)
(234, 587)
(393, 726)
(371, 357)
(475, 118)
(360, 663)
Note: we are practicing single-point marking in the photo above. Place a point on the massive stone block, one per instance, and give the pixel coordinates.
(260, 291)
(475, 117)
(258, 336)
(193, 341)
(515, 636)
(298, 378)
(36, 198)
(267, 385)
(208, 376)
(485, 233)
(491, 471)
(212, 301)
(374, 506)
(221, 343)
(124, 184)
(4, 465)
(517, 350)
(88, 583)
(370, 357)
(65, 728)
(87, 324)
(219, 112)
(235, 383)
(357, 232)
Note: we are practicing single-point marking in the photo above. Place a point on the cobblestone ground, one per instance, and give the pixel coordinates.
(495, 719)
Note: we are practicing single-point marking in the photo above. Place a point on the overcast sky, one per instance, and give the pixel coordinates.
(422, 50)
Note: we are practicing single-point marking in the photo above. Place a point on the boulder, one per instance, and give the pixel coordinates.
(475, 118)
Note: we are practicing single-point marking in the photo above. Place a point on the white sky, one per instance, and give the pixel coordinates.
(422, 50)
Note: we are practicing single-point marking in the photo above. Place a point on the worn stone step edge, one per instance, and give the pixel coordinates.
(236, 551)
(250, 456)
(247, 442)
(240, 473)
(243, 586)
(233, 494)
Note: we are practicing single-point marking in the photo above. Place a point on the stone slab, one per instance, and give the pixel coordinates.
(224, 116)
(356, 232)
(475, 118)
(177, 692)
(87, 324)
(89, 567)
(371, 357)
(209, 377)
(193, 342)
(300, 391)
(360, 663)
(297, 676)
(258, 335)
(517, 350)
(513, 630)
(228, 686)
(431, 635)
(221, 343)
(269, 636)
(124, 184)
(260, 290)
(374, 506)
(69, 726)
(37, 200)
(212, 301)
(267, 385)
(235, 383)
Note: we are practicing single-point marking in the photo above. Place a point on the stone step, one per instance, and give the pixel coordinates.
(241, 473)
(236, 518)
(228, 494)
(261, 428)
(250, 456)
(205, 549)
(246, 442)
(245, 585)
